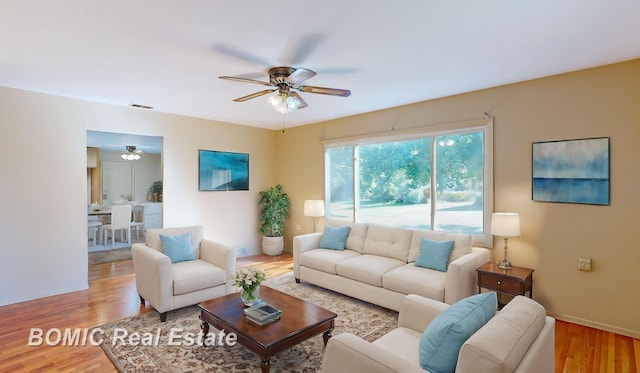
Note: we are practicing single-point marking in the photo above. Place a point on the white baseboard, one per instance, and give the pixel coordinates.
(6, 302)
(596, 325)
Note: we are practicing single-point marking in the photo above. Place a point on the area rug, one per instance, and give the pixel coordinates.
(360, 318)
(109, 256)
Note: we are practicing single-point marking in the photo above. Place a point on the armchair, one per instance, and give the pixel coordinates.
(168, 286)
(519, 338)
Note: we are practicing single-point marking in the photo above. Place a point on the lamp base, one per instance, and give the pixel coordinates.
(505, 264)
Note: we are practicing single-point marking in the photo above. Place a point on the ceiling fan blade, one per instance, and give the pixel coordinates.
(303, 103)
(254, 95)
(300, 75)
(299, 53)
(237, 79)
(325, 91)
(241, 54)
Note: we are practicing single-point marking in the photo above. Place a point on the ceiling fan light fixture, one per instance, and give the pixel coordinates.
(130, 157)
(283, 104)
(292, 103)
(130, 154)
(274, 100)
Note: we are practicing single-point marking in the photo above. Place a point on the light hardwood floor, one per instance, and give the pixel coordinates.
(112, 296)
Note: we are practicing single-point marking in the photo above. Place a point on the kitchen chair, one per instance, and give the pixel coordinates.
(94, 227)
(137, 221)
(120, 221)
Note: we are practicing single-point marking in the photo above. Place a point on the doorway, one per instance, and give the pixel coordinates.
(113, 180)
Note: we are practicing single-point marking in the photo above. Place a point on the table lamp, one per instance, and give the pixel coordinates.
(506, 224)
(314, 208)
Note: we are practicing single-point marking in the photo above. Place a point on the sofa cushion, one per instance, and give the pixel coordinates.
(390, 242)
(409, 279)
(461, 247)
(501, 344)
(434, 254)
(357, 234)
(325, 260)
(177, 248)
(196, 275)
(401, 342)
(334, 237)
(442, 339)
(152, 236)
(367, 268)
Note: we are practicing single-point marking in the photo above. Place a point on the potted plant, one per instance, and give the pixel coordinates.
(156, 191)
(274, 208)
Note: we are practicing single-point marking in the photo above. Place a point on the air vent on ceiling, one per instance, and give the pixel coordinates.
(141, 106)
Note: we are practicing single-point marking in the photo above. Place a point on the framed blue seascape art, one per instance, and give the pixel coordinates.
(571, 171)
(221, 171)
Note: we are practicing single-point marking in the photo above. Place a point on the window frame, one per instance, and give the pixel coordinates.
(485, 125)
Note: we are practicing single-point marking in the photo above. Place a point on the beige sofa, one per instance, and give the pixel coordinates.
(519, 338)
(168, 286)
(377, 265)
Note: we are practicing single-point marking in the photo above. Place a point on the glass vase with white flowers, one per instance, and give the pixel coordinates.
(248, 279)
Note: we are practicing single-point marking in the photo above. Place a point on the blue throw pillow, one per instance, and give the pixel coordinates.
(334, 237)
(434, 254)
(442, 339)
(178, 248)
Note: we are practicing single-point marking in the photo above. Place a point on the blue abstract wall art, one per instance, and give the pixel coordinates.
(222, 171)
(571, 171)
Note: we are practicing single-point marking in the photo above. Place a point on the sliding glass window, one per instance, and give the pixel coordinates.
(438, 180)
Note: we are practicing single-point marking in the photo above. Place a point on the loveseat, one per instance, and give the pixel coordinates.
(377, 264)
(519, 338)
(193, 272)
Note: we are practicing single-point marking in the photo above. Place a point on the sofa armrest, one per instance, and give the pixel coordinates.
(222, 256)
(349, 353)
(462, 279)
(416, 312)
(540, 357)
(154, 277)
(301, 244)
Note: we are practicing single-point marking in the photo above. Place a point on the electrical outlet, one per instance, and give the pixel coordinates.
(298, 227)
(584, 264)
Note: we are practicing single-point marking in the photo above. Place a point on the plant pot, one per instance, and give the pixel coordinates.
(272, 245)
(249, 298)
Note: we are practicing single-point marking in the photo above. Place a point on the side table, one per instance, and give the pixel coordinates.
(514, 281)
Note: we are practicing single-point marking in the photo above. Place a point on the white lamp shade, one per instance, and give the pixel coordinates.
(506, 224)
(314, 207)
(130, 156)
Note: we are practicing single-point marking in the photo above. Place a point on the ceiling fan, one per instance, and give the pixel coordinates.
(131, 154)
(285, 80)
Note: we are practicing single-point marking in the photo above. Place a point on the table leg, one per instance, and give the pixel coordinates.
(326, 335)
(265, 366)
(204, 328)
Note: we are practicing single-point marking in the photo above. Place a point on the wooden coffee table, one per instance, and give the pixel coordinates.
(300, 320)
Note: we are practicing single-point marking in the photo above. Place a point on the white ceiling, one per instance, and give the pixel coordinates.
(169, 54)
(117, 142)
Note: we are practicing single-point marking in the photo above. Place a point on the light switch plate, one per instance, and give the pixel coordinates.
(584, 264)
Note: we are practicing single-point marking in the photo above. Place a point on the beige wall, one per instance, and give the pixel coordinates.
(598, 102)
(43, 193)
